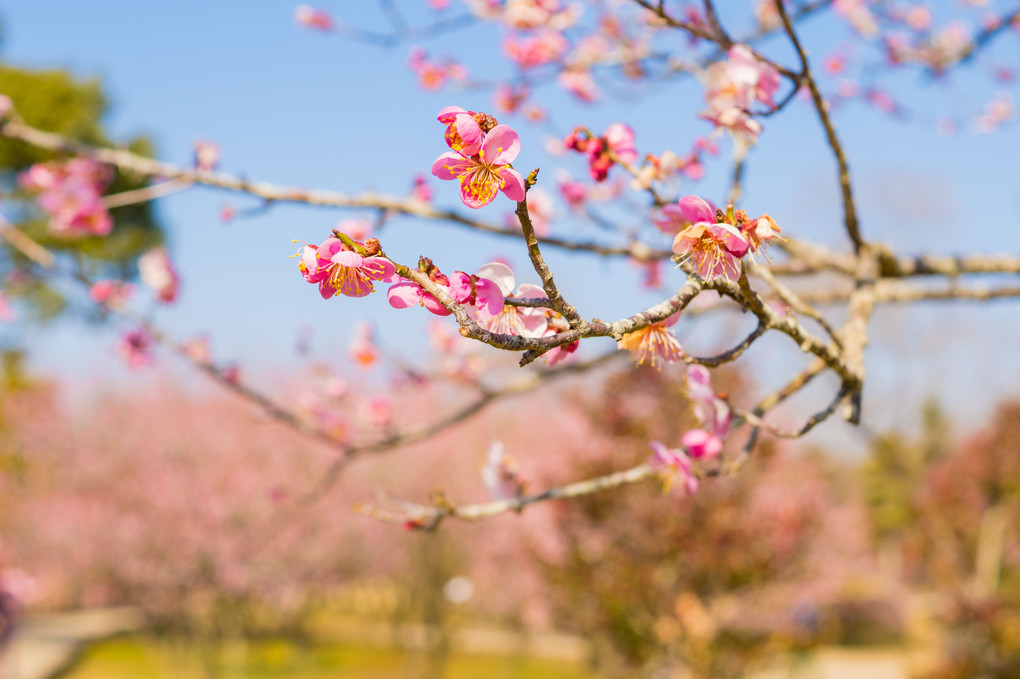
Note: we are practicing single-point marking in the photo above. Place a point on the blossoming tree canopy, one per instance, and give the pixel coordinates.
(540, 151)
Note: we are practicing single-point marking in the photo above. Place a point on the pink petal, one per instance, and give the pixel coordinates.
(513, 183)
(501, 146)
(488, 296)
(472, 199)
(451, 165)
(701, 445)
(460, 287)
(696, 209)
(734, 241)
(434, 305)
(329, 247)
(356, 286)
(470, 133)
(348, 258)
(500, 274)
(379, 268)
(449, 114)
(404, 295)
(326, 289)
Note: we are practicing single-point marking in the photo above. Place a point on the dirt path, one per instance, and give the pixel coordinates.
(43, 645)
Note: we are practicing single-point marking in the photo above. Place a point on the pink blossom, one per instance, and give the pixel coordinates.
(207, 155)
(341, 271)
(487, 171)
(421, 189)
(135, 347)
(198, 350)
(109, 291)
(357, 229)
(535, 50)
(574, 192)
(508, 98)
(580, 83)
(712, 412)
(615, 146)
(158, 273)
(362, 349)
(479, 294)
(715, 248)
(379, 410)
(701, 445)
(71, 193)
(513, 320)
(733, 86)
(655, 344)
(540, 209)
(312, 17)
(674, 467)
(561, 353)
(6, 310)
(500, 474)
(463, 132)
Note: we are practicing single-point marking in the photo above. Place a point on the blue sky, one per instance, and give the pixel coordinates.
(296, 107)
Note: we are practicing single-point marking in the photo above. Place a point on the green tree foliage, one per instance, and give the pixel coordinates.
(56, 101)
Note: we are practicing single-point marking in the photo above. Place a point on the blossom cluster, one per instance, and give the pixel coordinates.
(616, 145)
(733, 86)
(675, 465)
(715, 240)
(71, 193)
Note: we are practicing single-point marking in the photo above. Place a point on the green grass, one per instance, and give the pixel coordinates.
(153, 658)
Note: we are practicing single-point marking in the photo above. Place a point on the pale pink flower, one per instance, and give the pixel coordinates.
(198, 349)
(6, 310)
(715, 248)
(574, 192)
(421, 189)
(362, 349)
(478, 293)
(109, 291)
(71, 193)
(674, 467)
(654, 343)
(540, 209)
(508, 98)
(513, 320)
(207, 155)
(918, 17)
(341, 271)
(580, 83)
(733, 86)
(312, 17)
(357, 229)
(858, 15)
(379, 410)
(135, 347)
(563, 352)
(535, 50)
(157, 271)
(500, 474)
(712, 412)
(484, 171)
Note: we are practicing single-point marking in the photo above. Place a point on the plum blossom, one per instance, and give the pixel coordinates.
(500, 474)
(339, 270)
(674, 467)
(733, 86)
(540, 209)
(312, 17)
(615, 146)
(207, 155)
(580, 83)
(513, 320)
(157, 271)
(362, 349)
(541, 48)
(464, 128)
(109, 291)
(714, 246)
(478, 293)
(135, 347)
(654, 343)
(483, 168)
(712, 412)
(421, 189)
(433, 75)
(71, 194)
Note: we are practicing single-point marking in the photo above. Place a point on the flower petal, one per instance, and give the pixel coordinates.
(470, 133)
(449, 114)
(500, 274)
(501, 146)
(513, 183)
(451, 165)
(379, 268)
(696, 209)
(488, 297)
(404, 295)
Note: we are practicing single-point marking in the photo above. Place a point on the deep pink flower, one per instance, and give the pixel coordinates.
(474, 291)
(715, 248)
(674, 467)
(701, 445)
(463, 133)
(135, 347)
(109, 291)
(482, 175)
(344, 272)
